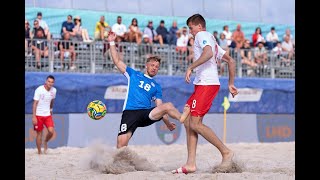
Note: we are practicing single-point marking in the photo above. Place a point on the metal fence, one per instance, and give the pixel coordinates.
(94, 57)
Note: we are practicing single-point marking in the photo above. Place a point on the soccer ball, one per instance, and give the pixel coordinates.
(96, 109)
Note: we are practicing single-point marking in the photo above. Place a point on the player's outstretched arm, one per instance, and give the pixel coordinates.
(114, 53)
(232, 71)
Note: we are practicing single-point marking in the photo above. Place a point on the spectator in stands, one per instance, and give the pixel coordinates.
(223, 42)
(102, 29)
(44, 25)
(272, 38)
(39, 47)
(228, 34)
(162, 30)
(287, 47)
(67, 49)
(27, 35)
(238, 37)
(145, 48)
(36, 28)
(190, 52)
(67, 28)
(81, 34)
(224, 45)
(153, 35)
(182, 44)
(172, 40)
(215, 35)
(257, 37)
(260, 55)
(134, 34)
(291, 38)
(280, 54)
(246, 55)
(120, 30)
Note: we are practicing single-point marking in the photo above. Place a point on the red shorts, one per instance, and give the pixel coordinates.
(46, 120)
(201, 99)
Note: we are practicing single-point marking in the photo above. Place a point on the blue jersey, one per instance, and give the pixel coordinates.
(142, 89)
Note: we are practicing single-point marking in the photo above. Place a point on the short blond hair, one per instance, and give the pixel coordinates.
(155, 58)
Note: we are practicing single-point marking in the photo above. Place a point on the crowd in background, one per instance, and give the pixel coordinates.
(253, 51)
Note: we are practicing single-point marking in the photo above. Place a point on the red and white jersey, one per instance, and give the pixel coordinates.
(207, 73)
(44, 97)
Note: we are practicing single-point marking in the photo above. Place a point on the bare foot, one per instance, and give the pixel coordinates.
(39, 152)
(185, 113)
(184, 169)
(45, 146)
(227, 158)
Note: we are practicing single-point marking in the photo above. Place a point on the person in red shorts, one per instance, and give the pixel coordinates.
(42, 112)
(207, 53)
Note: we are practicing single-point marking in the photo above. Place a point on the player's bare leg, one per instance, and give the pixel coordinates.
(39, 141)
(165, 108)
(48, 137)
(192, 140)
(210, 136)
(185, 113)
(123, 139)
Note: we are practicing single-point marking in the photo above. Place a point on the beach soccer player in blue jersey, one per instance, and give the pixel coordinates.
(142, 90)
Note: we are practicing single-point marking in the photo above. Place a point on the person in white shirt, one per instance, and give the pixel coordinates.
(206, 86)
(42, 111)
(120, 30)
(227, 34)
(272, 38)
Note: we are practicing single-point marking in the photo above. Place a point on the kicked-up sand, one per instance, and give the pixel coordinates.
(100, 162)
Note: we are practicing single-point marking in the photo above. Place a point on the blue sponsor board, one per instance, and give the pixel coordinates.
(276, 127)
(60, 137)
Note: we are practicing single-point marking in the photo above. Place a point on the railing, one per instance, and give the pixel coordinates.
(94, 57)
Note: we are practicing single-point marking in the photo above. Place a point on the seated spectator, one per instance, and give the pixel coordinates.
(272, 38)
(134, 34)
(280, 54)
(228, 34)
(238, 37)
(246, 55)
(27, 35)
(291, 38)
(102, 29)
(172, 40)
(182, 43)
(215, 35)
(39, 47)
(67, 28)
(287, 47)
(44, 25)
(145, 48)
(162, 30)
(153, 35)
(81, 34)
(67, 49)
(36, 28)
(257, 37)
(260, 55)
(120, 30)
(190, 52)
(223, 43)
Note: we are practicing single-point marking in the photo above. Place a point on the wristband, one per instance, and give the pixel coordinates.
(112, 43)
(51, 109)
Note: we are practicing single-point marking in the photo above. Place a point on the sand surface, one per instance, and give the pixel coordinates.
(98, 161)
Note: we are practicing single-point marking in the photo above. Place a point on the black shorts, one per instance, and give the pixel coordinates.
(132, 119)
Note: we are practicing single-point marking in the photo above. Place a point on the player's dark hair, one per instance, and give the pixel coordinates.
(155, 58)
(51, 77)
(197, 19)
